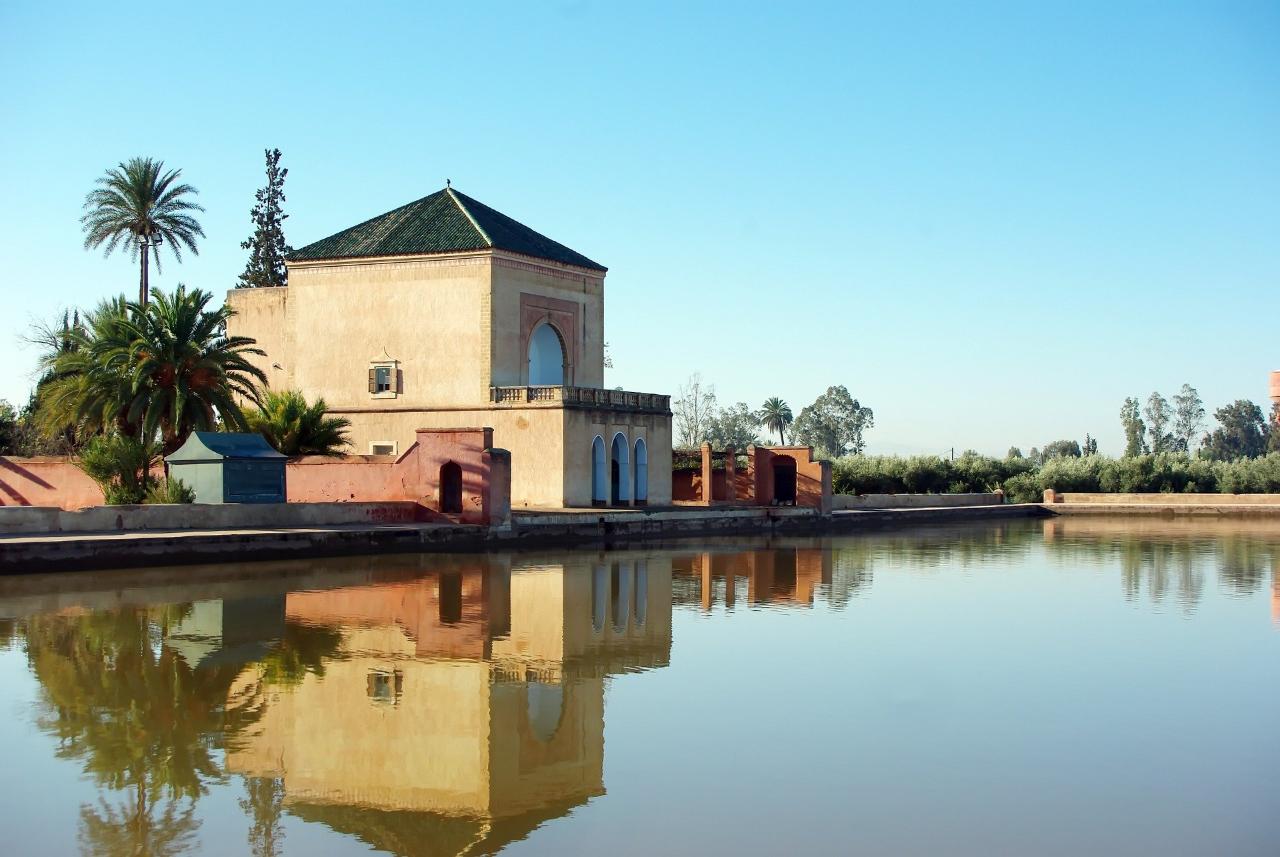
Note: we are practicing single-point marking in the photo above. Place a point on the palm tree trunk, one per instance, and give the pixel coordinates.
(143, 289)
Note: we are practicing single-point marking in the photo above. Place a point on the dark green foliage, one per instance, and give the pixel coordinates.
(923, 474)
(169, 491)
(9, 429)
(166, 367)
(138, 205)
(775, 415)
(733, 426)
(1024, 482)
(267, 247)
(1090, 446)
(120, 465)
(294, 427)
(1188, 417)
(834, 424)
(1159, 415)
(1273, 430)
(1242, 433)
(1134, 428)
(1060, 449)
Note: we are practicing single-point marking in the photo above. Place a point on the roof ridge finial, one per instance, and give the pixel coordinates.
(448, 183)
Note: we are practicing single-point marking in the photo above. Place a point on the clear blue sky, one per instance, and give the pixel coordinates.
(992, 223)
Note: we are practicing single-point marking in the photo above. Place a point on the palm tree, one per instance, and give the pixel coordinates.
(775, 415)
(87, 382)
(140, 206)
(186, 371)
(295, 428)
(168, 367)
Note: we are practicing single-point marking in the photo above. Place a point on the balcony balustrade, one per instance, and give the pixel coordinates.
(580, 397)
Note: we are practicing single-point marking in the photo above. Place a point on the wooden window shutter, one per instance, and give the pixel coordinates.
(399, 381)
(373, 380)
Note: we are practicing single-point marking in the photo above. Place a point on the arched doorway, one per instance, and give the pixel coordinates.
(784, 481)
(642, 472)
(544, 706)
(449, 598)
(599, 479)
(620, 471)
(546, 356)
(451, 488)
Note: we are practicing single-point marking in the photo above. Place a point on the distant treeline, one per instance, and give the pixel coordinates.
(1025, 481)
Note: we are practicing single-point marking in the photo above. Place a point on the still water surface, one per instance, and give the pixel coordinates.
(1065, 687)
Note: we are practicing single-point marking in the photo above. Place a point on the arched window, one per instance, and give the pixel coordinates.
(546, 356)
(544, 706)
(599, 597)
(599, 472)
(451, 488)
(621, 595)
(620, 471)
(641, 598)
(642, 471)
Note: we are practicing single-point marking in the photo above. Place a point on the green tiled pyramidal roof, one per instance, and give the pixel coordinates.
(444, 222)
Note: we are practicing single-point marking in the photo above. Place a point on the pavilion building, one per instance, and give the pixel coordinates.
(445, 313)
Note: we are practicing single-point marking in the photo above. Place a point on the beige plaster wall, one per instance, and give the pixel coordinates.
(453, 323)
(416, 754)
(581, 428)
(430, 314)
(514, 275)
(532, 436)
(263, 314)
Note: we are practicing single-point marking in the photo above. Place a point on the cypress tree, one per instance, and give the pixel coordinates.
(267, 247)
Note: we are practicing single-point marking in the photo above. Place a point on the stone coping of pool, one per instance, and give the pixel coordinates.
(114, 549)
(1061, 498)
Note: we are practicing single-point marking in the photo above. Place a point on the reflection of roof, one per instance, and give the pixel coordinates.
(444, 222)
(209, 652)
(430, 834)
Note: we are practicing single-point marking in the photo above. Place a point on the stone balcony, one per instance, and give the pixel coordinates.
(580, 397)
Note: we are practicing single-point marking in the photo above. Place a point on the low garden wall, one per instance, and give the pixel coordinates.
(913, 501)
(482, 492)
(46, 481)
(1161, 499)
(230, 516)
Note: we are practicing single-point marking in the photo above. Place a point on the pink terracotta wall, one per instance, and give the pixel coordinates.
(46, 481)
(813, 478)
(414, 476)
(754, 486)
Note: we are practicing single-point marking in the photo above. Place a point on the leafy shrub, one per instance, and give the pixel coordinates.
(119, 464)
(1023, 482)
(169, 491)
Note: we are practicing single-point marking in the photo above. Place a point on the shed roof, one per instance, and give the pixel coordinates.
(221, 446)
(444, 222)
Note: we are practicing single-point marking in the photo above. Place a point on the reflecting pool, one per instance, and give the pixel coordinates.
(1071, 686)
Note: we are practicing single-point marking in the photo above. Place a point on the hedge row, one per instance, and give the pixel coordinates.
(1023, 483)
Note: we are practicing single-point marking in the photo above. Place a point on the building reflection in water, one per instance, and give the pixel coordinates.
(458, 711)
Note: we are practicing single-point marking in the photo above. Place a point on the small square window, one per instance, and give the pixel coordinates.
(382, 447)
(384, 380)
(385, 687)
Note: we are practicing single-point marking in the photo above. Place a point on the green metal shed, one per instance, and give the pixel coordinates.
(228, 467)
